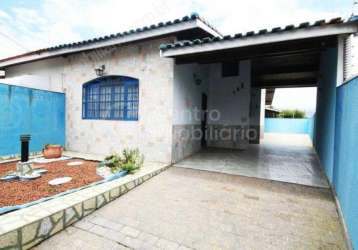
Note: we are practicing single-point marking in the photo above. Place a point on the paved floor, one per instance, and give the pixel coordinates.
(191, 209)
(280, 157)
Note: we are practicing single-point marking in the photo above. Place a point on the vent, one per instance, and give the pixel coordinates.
(347, 58)
(350, 57)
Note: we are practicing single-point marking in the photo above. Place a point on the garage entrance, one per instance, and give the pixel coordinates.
(232, 72)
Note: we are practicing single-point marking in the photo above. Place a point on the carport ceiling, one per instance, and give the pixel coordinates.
(284, 64)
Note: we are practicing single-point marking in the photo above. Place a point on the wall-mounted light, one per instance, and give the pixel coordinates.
(100, 70)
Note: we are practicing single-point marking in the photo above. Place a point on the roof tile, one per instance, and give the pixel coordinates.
(288, 28)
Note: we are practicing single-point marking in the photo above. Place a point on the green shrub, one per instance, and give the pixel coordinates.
(112, 161)
(131, 160)
(288, 113)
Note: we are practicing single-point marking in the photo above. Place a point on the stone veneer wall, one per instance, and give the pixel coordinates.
(184, 141)
(152, 133)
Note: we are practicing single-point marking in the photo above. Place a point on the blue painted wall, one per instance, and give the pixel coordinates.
(311, 127)
(325, 111)
(345, 174)
(30, 111)
(287, 125)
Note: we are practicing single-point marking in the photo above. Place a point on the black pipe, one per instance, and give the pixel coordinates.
(25, 139)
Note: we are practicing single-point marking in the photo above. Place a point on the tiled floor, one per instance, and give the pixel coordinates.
(279, 157)
(192, 209)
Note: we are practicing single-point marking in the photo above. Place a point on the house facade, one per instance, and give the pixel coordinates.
(168, 89)
(174, 88)
(134, 55)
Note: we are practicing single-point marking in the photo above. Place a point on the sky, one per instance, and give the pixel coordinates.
(26, 25)
(296, 98)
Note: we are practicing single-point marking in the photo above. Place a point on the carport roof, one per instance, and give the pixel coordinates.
(320, 28)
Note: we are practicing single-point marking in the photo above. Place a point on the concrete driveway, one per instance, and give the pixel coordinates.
(279, 157)
(192, 209)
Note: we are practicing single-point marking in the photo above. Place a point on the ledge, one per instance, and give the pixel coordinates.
(25, 228)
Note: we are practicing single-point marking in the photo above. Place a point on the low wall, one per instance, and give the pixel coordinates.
(288, 125)
(30, 111)
(345, 171)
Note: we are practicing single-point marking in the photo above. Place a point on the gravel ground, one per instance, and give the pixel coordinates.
(19, 192)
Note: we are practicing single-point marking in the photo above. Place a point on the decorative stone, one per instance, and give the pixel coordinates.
(130, 185)
(101, 201)
(69, 214)
(59, 181)
(73, 214)
(45, 227)
(57, 220)
(29, 232)
(89, 206)
(29, 235)
(9, 240)
(75, 163)
(106, 196)
(114, 193)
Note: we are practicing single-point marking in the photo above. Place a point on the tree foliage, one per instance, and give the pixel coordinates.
(295, 113)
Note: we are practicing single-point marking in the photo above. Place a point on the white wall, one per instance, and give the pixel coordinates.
(255, 111)
(187, 94)
(233, 107)
(262, 113)
(45, 75)
(230, 97)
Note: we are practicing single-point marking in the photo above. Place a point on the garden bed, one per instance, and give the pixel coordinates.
(19, 192)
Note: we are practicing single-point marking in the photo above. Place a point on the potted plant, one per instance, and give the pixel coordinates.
(52, 151)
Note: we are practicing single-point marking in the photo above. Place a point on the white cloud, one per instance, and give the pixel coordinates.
(61, 21)
(4, 15)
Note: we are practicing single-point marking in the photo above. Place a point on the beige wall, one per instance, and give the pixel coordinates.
(152, 133)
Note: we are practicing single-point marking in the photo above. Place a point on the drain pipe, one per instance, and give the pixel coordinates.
(25, 139)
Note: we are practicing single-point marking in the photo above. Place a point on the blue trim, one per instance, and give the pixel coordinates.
(104, 90)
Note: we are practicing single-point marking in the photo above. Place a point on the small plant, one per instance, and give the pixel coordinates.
(113, 162)
(131, 160)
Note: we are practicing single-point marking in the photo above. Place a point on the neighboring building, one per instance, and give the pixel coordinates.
(271, 112)
(123, 91)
